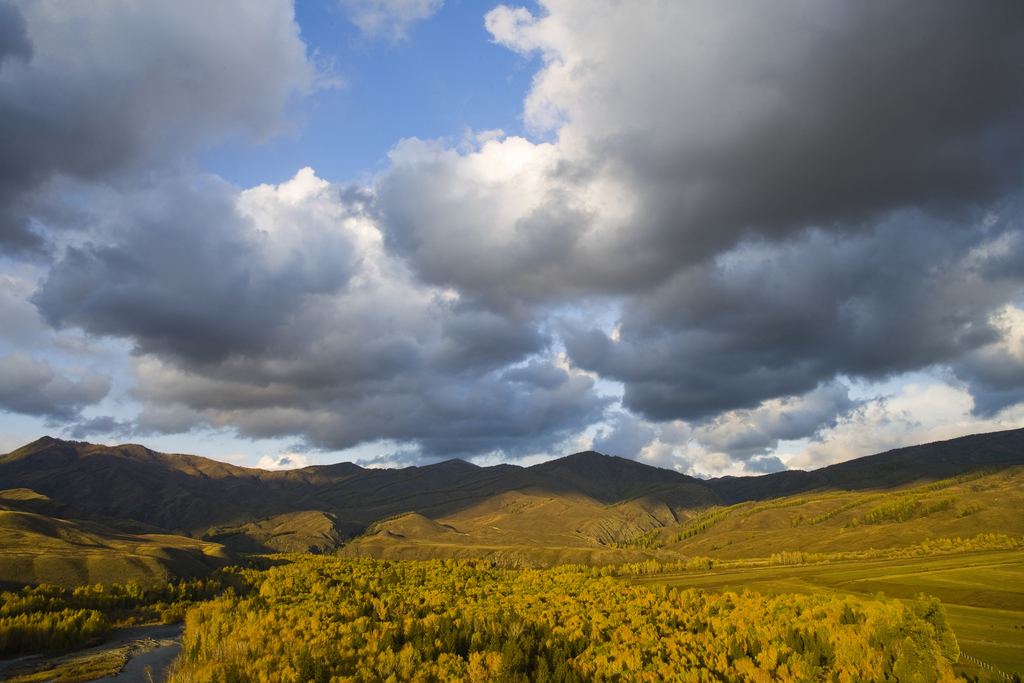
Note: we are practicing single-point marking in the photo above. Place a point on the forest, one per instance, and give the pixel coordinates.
(327, 620)
(45, 617)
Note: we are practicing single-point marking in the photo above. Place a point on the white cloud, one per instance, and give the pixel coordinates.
(389, 18)
(286, 461)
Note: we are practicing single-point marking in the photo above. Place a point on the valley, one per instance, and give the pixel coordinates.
(942, 520)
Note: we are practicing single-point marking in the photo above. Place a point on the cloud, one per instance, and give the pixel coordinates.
(390, 18)
(995, 372)
(735, 216)
(278, 311)
(183, 273)
(285, 461)
(769, 320)
(31, 387)
(752, 434)
(773, 205)
(14, 42)
(103, 425)
(683, 129)
(102, 91)
(625, 436)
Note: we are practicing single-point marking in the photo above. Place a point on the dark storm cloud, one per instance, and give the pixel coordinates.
(698, 127)
(14, 42)
(92, 92)
(187, 278)
(31, 387)
(751, 434)
(765, 464)
(781, 196)
(775, 320)
(893, 105)
(480, 338)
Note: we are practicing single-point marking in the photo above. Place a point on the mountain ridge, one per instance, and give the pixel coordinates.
(585, 500)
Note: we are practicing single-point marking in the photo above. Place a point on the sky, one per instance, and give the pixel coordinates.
(723, 238)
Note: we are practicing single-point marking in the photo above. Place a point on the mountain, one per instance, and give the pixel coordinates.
(585, 507)
(319, 508)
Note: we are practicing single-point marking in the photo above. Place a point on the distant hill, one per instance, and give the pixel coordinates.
(586, 507)
(899, 467)
(989, 501)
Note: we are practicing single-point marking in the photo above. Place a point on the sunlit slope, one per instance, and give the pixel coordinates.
(530, 528)
(73, 552)
(840, 521)
(293, 532)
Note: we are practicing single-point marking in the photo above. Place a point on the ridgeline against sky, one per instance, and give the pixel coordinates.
(719, 238)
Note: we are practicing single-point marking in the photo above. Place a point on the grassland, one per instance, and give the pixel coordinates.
(830, 521)
(983, 592)
(74, 552)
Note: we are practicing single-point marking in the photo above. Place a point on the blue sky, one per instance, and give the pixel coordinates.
(400, 231)
(443, 78)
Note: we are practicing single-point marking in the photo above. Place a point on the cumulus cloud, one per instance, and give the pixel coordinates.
(96, 90)
(103, 425)
(285, 461)
(775, 205)
(278, 311)
(920, 412)
(14, 42)
(776, 319)
(181, 272)
(995, 372)
(684, 128)
(31, 387)
(763, 211)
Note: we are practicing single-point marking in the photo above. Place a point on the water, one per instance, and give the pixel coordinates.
(159, 659)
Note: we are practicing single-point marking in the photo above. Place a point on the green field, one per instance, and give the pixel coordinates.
(983, 592)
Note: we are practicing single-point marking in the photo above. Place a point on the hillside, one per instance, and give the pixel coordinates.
(899, 467)
(67, 550)
(317, 509)
(988, 501)
(586, 507)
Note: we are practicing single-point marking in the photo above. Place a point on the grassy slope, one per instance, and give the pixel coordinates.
(786, 524)
(529, 528)
(74, 552)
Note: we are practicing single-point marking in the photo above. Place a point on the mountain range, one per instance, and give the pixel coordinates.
(193, 513)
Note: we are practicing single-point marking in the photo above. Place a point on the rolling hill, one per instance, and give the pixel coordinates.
(48, 542)
(586, 507)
